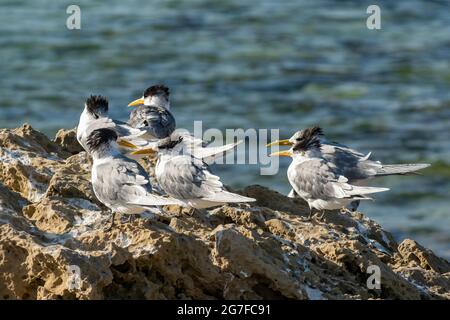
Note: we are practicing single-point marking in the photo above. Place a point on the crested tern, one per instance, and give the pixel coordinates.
(352, 164)
(187, 178)
(152, 114)
(319, 181)
(119, 183)
(95, 116)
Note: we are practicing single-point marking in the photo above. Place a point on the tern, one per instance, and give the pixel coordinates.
(320, 182)
(95, 116)
(152, 114)
(352, 164)
(187, 178)
(119, 183)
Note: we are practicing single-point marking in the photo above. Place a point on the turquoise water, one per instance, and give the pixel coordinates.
(248, 64)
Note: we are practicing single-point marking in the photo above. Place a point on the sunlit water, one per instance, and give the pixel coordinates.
(254, 64)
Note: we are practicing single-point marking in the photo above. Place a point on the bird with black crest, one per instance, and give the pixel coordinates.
(95, 116)
(316, 179)
(187, 178)
(354, 165)
(119, 183)
(152, 114)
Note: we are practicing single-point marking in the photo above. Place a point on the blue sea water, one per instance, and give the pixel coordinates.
(254, 64)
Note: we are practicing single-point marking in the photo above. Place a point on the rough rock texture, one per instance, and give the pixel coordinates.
(54, 242)
(67, 140)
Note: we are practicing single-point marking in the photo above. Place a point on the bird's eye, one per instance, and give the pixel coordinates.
(146, 123)
(96, 116)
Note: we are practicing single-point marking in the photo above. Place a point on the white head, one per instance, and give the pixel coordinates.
(95, 107)
(157, 96)
(304, 144)
(104, 142)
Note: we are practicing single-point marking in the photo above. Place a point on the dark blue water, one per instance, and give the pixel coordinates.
(254, 64)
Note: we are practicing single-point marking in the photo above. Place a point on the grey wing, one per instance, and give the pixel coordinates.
(83, 133)
(158, 122)
(342, 147)
(121, 180)
(126, 131)
(189, 140)
(349, 162)
(186, 177)
(315, 179)
(99, 124)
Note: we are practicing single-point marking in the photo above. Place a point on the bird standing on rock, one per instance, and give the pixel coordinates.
(152, 114)
(355, 166)
(319, 181)
(119, 183)
(95, 116)
(187, 178)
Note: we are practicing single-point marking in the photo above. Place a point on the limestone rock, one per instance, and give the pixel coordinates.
(67, 140)
(54, 242)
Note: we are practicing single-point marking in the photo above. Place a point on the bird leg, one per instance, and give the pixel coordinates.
(124, 218)
(345, 210)
(113, 217)
(310, 215)
(321, 215)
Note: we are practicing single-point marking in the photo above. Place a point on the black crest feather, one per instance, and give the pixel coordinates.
(97, 103)
(308, 138)
(100, 137)
(157, 89)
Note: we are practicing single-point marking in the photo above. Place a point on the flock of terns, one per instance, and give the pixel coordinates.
(327, 175)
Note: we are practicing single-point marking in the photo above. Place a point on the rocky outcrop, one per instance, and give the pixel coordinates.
(54, 242)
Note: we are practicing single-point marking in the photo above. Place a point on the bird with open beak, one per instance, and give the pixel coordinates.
(187, 178)
(352, 164)
(318, 181)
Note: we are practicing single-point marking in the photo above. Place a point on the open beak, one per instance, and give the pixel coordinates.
(125, 143)
(279, 143)
(286, 153)
(136, 102)
(144, 151)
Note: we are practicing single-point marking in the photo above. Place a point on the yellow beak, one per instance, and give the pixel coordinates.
(144, 151)
(286, 153)
(136, 102)
(279, 143)
(125, 143)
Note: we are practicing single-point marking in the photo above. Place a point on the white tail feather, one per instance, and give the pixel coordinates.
(154, 200)
(226, 196)
(209, 154)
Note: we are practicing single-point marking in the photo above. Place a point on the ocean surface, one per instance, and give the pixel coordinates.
(254, 64)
